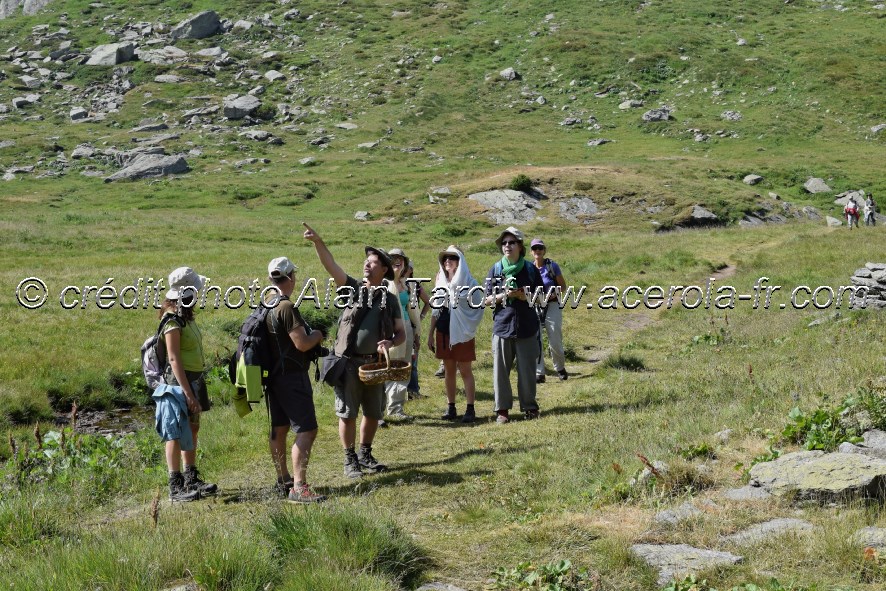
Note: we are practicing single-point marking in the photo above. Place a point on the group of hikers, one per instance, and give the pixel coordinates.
(852, 214)
(382, 326)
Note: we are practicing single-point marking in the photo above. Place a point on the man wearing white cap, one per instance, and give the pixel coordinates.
(290, 396)
(365, 331)
(514, 326)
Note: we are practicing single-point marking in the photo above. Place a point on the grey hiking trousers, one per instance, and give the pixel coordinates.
(504, 353)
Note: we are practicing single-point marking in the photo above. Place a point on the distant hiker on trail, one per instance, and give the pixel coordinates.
(551, 316)
(289, 394)
(396, 391)
(453, 327)
(514, 327)
(365, 331)
(870, 211)
(851, 212)
(413, 389)
(184, 385)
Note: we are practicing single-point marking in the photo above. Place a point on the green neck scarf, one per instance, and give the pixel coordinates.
(510, 271)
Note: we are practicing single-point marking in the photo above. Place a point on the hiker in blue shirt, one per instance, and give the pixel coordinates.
(515, 325)
(551, 315)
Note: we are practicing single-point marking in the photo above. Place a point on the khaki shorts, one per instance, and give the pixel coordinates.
(355, 394)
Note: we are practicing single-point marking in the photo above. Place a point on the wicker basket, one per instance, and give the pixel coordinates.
(384, 371)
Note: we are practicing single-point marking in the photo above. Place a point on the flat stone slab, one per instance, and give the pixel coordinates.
(439, 587)
(823, 477)
(870, 537)
(507, 206)
(747, 493)
(770, 529)
(680, 560)
(678, 514)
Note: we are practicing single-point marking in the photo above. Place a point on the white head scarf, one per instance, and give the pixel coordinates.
(464, 318)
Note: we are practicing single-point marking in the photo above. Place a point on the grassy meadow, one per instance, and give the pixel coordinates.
(477, 506)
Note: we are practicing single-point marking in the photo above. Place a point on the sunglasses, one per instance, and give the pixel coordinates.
(509, 242)
(538, 248)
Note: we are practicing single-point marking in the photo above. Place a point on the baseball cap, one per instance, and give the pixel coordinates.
(280, 267)
(181, 278)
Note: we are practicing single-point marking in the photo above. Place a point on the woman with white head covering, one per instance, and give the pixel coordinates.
(185, 367)
(453, 326)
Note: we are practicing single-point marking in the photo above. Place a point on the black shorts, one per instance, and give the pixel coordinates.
(291, 402)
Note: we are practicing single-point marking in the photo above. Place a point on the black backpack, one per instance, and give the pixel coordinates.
(252, 363)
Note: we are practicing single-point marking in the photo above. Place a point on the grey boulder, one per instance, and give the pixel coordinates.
(823, 477)
(199, 26)
(111, 54)
(506, 206)
(816, 185)
(240, 106)
(680, 560)
(150, 165)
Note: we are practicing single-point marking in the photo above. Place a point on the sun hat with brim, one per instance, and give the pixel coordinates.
(181, 278)
(280, 267)
(398, 252)
(383, 256)
(511, 230)
(451, 251)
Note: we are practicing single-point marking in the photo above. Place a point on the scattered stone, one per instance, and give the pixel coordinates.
(747, 493)
(741, 42)
(199, 26)
(258, 135)
(7, 144)
(78, 113)
(598, 142)
(111, 54)
(832, 221)
(509, 74)
(843, 198)
(661, 114)
(770, 529)
(243, 25)
(321, 141)
(82, 151)
(870, 537)
(31, 82)
(368, 145)
(149, 127)
(257, 91)
(730, 115)
(238, 107)
(308, 161)
(701, 137)
(437, 59)
(874, 444)
(150, 165)
(506, 206)
(346, 125)
(439, 587)
(674, 516)
(569, 121)
(646, 474)
(878, 128)
(166, 56)
(680, 560)
(816, 185)
(700, 217)
(752, 179)
(156, 139)
(723, 436)
(167, 79)
(630, 104)
(247, 161)
(541, 100)
(823, 477)
(274, 75)
(20, 102)
(362, 216)
(211, 52)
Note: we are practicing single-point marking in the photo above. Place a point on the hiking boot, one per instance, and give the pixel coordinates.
(540, 379)
(352, 465)
(469, 416)
(302, 494)
(284, 486)
(531, 414)
(399, 416)
(441, 372)
(450, 414)
(194, 482)
(563, 375)
(368, 463)
(502, 417)
(177, 490)
(414, 395)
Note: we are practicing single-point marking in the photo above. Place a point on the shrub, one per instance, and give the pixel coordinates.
(521, 182)
(624, 361)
